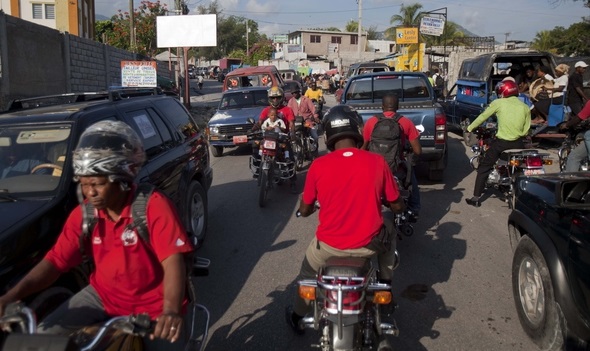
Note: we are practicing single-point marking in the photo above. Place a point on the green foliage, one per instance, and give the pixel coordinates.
(451, 36)
(573, 41)
(116, 31)
(353, 27)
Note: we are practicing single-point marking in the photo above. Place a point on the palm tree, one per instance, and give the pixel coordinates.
(409, 17)
(543, 41)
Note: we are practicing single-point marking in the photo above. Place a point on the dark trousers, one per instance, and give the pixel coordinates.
(489, 159)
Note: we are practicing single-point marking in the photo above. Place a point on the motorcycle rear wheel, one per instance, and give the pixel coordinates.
(351, 338)
(263, 189)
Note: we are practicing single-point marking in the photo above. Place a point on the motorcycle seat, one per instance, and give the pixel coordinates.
(347, 266)
(506, 154)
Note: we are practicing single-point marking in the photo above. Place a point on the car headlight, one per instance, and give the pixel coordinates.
(213, 130)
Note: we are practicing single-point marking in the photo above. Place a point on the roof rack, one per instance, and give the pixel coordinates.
(112, 94)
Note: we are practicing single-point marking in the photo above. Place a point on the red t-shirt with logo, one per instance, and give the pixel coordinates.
(129, 275)
(349, 184)
(407, 127)
(285, 113)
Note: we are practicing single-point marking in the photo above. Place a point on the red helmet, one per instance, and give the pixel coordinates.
(506, 89)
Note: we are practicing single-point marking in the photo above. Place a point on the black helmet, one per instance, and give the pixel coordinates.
(110, 148)
(342, 121)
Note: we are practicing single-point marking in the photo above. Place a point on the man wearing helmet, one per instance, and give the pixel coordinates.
(351, 222)
(276, 99)
(131, 276)
(514, 121)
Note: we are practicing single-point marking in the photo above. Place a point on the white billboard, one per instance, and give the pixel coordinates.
(186, 31)
(432, 26)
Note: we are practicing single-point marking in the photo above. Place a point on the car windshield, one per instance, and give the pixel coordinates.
(243, 99)
(375, 87)
(32, 158)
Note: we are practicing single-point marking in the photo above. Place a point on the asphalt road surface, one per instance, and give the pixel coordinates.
(453, 285)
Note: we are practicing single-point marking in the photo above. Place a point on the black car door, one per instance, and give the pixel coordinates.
(579, 259)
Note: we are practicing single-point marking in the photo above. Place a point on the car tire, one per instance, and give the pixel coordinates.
(197, 212)
(217, 151)
(532, 288)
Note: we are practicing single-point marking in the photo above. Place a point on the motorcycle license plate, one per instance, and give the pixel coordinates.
(534, 171)
(240, 139)
(270, 144)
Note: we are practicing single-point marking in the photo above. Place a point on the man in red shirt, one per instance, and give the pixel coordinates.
(390, 105)
(349, 183)
(304, 107)
(131, 276)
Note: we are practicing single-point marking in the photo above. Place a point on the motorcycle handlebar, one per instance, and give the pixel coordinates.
(140, 324)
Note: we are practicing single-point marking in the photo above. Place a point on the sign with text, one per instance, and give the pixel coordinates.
(280, 38)
(432, 26)
(406, 35)
(139, 74)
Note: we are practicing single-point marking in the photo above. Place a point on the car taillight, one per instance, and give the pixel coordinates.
(533, 161)
(440, 125)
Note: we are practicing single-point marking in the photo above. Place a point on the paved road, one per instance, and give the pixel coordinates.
(453, 286)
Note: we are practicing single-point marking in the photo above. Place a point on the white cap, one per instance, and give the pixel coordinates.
(580, 64)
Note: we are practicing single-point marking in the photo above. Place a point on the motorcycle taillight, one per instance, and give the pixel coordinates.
(534, 161)
(351, 299)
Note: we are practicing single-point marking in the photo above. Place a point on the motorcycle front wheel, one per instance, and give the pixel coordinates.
(263, 189)
(299, 155)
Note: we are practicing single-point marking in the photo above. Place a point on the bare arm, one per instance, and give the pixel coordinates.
(581, 93)
(398, 205)
(306, 209)
(169, 323)
(40, 277)
(416, 147)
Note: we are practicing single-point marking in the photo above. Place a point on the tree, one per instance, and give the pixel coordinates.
(117, 32)
(451, 36)
(409, 17)
(352, 26)
(544, 42)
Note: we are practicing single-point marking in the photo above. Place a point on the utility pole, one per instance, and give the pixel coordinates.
(247, 39)
(360, 29)
(131, 26)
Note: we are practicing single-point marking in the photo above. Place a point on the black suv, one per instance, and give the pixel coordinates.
(549, 232)
(37, 193)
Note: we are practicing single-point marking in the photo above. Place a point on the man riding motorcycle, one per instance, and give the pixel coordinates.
(276, 99)
(303, 106)
(131, 276)
(351, 222)
(514, 122)
(313, 93)
(578, 154)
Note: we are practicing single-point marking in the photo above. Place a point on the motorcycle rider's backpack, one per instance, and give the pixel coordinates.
(386, 139)
(138, 213)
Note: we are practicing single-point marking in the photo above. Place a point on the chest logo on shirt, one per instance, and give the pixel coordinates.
(129, 237)
(97, 240)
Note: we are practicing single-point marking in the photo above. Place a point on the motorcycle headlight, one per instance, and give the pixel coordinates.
(213, 130)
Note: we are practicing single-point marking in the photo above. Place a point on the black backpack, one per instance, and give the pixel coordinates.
(439, 82)
(138, 213)
(386, 139)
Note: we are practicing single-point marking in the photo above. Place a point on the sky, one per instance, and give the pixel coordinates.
(521, 19)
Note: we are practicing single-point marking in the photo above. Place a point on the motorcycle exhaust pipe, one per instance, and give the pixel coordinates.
(389, 329)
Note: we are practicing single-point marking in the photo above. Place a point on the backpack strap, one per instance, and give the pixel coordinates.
(88, 224)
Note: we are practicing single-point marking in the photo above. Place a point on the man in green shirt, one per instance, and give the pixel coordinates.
(514, 121)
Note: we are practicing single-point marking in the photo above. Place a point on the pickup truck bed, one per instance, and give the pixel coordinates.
(417, 102)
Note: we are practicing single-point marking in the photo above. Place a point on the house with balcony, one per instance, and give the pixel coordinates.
(73, 16)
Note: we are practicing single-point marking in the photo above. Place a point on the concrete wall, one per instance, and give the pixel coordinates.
(36, 60)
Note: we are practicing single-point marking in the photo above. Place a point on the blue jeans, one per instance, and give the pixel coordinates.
(578, 154)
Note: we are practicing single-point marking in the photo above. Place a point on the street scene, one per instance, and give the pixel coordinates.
(230, 176)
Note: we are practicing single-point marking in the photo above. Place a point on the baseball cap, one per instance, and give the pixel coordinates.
(580, 64)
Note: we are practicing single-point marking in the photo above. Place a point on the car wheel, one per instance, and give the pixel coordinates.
(217, 151)
(197, 212)
(533, 294)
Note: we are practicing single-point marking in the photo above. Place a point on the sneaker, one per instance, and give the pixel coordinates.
(474, 201)
(294, 320)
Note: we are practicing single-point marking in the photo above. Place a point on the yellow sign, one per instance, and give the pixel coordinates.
(406, 35)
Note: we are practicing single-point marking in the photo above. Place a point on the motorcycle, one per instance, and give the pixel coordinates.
(123, 333)
(574, 138)
(304, 146)
(511, 163)
(274, 164)
(404, 183)
(318, 107)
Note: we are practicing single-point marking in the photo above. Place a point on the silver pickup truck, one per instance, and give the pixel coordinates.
(417, 102)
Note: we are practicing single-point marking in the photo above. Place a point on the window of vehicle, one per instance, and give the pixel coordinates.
(474, 68)
(336, 40)
(243, 99)
(141, 121)
(540, 191)
(315, 39)
(376, 87)
(178, 116)
(32, 158)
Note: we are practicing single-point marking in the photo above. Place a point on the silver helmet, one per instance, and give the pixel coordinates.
(109, 148)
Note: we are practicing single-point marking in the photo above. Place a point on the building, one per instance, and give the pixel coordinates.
(73, 16)
(318, 43)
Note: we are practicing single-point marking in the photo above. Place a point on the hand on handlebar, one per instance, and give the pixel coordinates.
(168, 326)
